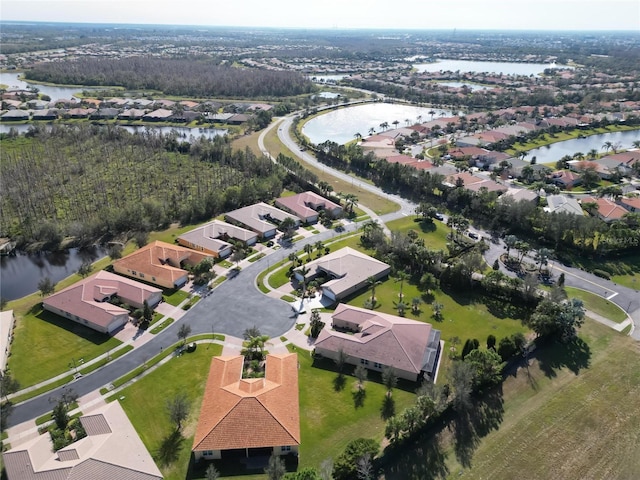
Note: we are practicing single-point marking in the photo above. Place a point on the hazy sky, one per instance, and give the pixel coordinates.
(409, 14)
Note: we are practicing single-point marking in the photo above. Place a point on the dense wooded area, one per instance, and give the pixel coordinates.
(93, 182)
(183, 77)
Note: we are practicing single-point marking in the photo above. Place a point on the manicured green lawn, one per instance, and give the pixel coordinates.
(45, 344)
(330, 419)
(624, 270)
(597, 304)
(466, 315)
(434, 234)
(176, 297)
(145, 404)
(174, 231)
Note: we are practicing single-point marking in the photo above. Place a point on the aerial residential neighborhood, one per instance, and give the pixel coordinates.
(382, 242)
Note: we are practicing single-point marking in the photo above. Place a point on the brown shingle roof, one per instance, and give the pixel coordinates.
(249, 413)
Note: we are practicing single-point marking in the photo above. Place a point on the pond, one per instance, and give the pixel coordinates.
(56, 93)
(341, 125)
(507, 68)
(20, 273)
(471, 86)
(554, 152)
(184, 132)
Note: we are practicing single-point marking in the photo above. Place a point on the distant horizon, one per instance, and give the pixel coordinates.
(338, 15)
(326, 29)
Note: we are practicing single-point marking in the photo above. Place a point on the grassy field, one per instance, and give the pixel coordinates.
(566, 416)
(330, 418)
(597, 304)
(145, 404)
(374, 202)
(624, 270)
(434, 234)
(34, 358)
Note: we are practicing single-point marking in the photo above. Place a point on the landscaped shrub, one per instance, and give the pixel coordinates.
(601, 274)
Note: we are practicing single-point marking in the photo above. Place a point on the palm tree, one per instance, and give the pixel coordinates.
(303, 272)
(349, 201)
(415, 305)
(308, 248)
(593, 154)
(401, 277)
(319, 246)
(373, 282)
(432, 113)
(401, 307)
(636, 144)
(358, 136)
(607, 146)
(510, 242)
(396, 123)
(372, 131)
(437, 310)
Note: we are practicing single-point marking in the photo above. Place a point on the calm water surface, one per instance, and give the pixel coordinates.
(507, 68)
(341, 125)
(20, 273)
(56, 93)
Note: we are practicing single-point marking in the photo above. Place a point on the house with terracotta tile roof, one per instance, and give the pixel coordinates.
(159, 263)
(111, 450)
(566, 179)
(87, 302)
(377, 340)
(249, 416)
(607, 210)
(473, 182)
(632, 204)
(347, 271)
(212, 238)
(261, 218)
(306, 206)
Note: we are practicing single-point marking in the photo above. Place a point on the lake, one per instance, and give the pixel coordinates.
(20, 273)
(184, 132)
(507, 68)
(56, 93)
(554, 152)
(471, 86)
(340, 125)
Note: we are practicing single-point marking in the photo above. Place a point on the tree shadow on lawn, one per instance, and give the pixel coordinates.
(475, 423)
(553, 355)
(426, 226)
(461, 298)
(504, 309)
(358, 397)
(339, 382)
(81, 331)
(169, 449)
(388, 409)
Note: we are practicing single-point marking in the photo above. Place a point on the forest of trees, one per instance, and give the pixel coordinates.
(91, 182)
(183, 77)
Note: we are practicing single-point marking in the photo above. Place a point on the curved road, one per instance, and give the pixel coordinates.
(237, 304)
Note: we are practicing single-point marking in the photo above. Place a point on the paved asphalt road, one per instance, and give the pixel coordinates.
(237, 304)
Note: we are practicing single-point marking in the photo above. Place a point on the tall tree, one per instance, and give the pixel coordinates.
(275, 470)
(178, 409)
(389, 379)
(46, 286)
(360, 373)
(183, 332)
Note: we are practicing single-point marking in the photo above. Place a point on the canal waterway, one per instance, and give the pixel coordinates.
(21, 272)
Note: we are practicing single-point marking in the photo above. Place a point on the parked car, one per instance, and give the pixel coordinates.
(270, 243)
(473, 235)
(439, 216)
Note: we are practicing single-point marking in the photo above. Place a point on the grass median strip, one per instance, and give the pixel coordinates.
(162, 326)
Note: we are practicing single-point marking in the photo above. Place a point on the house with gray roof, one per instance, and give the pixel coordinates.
(111, 450)
(377, 340)
(213, 238)
(347, 271)
(261, 218)
(16, 115)
(563, 204)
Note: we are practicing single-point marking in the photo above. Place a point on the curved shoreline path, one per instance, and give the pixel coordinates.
(237, 304)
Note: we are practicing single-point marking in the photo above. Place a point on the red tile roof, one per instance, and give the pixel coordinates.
(249, 413)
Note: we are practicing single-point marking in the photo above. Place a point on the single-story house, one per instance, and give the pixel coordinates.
(260, 218)
(87, 302)
(377, 340)
(159, 263)
(632, 204)
(566, 179)
(160, 115)
(7, 322)
(50, 114)
(579, 166)
(306, 206)
(245, 417)
(105, 113)
(132, 114)
(80, 112)
(348, 270)
(520, 195)
(112, 449)
(562, 203)
(473, 182)
(16, 115)
(212, 238)
(607, 210)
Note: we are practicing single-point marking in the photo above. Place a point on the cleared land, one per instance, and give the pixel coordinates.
(567, 416)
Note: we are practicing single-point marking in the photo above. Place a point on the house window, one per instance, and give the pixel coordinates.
(377, 365)
(133, 272)
(286, 448)
(208, 453)
(364, 362)
(153, 278)
(142, 275)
